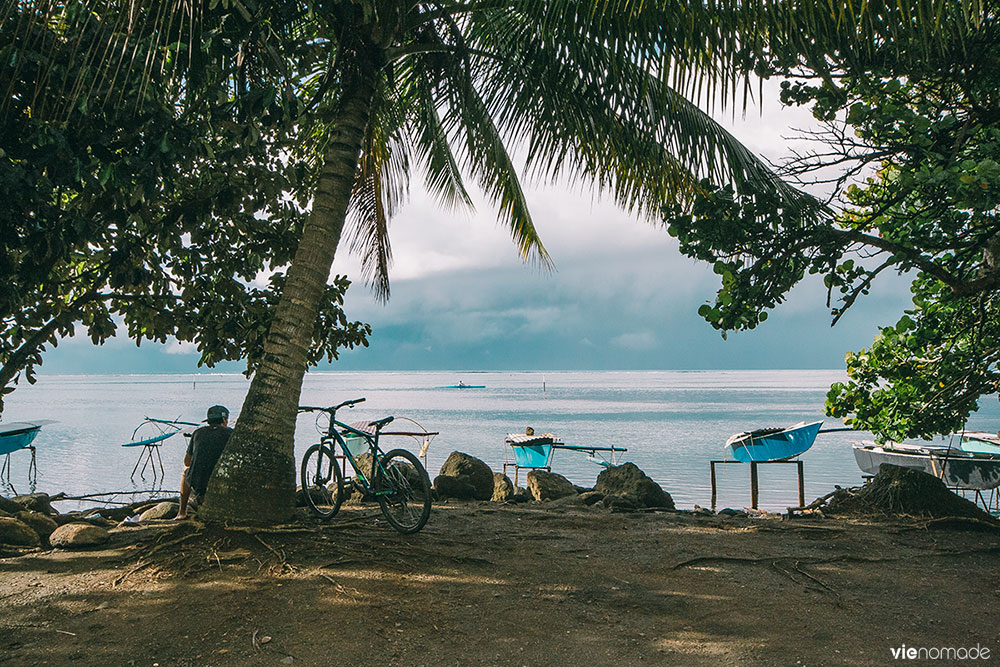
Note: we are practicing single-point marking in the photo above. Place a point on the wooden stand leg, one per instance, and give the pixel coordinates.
(712, 464)
(802, 486)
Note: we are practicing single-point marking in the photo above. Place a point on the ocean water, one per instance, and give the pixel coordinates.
(672, 422)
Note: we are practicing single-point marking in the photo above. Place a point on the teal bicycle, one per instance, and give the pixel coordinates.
(396, 479)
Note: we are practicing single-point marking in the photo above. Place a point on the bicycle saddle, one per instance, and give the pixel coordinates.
(379, 423)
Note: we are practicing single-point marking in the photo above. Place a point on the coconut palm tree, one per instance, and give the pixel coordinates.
(455, 88)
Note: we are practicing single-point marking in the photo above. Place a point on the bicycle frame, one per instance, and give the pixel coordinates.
(334, 437)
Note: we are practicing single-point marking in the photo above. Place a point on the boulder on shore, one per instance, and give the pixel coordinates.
(471, 471)
(460, 488)
(503, 488)
(904, 491)
(628, 479)
(549, 485)
(621, 503)
(40, 523)
(38, 502)
(17, 533)
(160, 511)
(9, 506)
(78, 536)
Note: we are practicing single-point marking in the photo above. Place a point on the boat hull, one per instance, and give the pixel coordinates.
(958, 470)
(779, 446)
(981, 443)
(17, 436)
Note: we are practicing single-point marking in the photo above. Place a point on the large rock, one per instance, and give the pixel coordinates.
(549, 485)
(627, 479)
(78, 536)
(40, 523)
(503, 488)
(903, 491)
(160, 511)
(78, 517)
(9, 506)
(622, 503)
(453, 487)
(18, 533)
(472, 471)
(38, 502)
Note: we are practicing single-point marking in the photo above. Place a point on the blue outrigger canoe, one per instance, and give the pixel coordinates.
(773, 444)
(15, 436)
(19, 435)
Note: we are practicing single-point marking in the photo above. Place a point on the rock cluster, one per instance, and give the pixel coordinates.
(30, 521)
(621, 488)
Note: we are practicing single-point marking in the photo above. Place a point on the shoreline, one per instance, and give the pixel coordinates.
(487, 584)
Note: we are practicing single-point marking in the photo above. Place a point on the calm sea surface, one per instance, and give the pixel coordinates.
(673, 423)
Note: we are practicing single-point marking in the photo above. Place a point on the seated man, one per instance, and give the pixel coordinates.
(204, 448)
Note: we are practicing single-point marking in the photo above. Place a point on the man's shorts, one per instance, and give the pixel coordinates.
(197, 495)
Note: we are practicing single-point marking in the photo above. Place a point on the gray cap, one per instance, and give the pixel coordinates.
(217, 413)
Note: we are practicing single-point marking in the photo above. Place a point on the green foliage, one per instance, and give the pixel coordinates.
(144, 203)
(917, 154)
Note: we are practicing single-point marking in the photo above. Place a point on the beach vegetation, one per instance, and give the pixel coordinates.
(129, 205)
(909, 156)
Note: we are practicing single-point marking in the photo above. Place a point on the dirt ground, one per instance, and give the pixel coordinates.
(507, 585)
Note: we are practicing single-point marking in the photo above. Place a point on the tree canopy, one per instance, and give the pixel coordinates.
(133, 203)
(911, 151)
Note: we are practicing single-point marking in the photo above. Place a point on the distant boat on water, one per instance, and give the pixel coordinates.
(462, 385)
(956, 467)
(773, 444)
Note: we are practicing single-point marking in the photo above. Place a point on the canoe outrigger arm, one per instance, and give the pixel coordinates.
(534, 452)
(150, 455)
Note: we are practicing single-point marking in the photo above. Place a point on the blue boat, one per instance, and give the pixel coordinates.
(773, 444)
(462, 385)
(15, 436)
(18, 435)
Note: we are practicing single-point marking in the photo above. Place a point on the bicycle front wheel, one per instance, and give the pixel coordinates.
(403, 491)
(322, 481)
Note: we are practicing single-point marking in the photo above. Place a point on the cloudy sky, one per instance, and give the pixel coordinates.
(621, 295)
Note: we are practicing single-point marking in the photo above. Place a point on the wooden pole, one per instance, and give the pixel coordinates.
(802, 486)
(712, 464)
(753, 484)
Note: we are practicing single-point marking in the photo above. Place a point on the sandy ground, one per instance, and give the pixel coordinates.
(502, 585)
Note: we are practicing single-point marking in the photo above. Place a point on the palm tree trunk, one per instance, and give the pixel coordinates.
(254, 480)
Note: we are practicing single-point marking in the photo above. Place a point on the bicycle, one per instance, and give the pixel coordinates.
(397, 480)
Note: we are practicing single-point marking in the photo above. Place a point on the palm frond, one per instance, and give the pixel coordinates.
(486, 157)
(380, 187)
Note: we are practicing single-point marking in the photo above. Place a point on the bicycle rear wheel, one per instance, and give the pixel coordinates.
(403, 491)
(322, 482)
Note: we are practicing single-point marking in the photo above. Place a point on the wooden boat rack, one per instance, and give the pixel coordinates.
(754, 492)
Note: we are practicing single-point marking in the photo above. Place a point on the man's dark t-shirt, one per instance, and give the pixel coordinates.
(205, 447)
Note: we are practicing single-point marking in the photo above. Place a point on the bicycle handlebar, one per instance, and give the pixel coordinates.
(333, 409)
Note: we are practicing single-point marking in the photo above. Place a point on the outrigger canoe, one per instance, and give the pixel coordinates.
(19, 435)
(773, 444)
